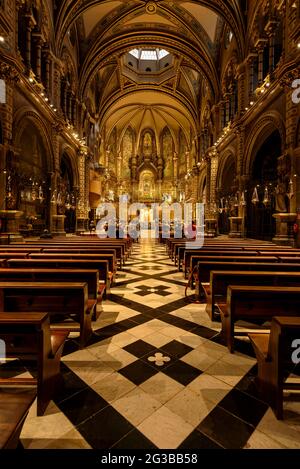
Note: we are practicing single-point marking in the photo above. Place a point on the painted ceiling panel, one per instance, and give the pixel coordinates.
(207, 18)
(95, 14)
(150, 19)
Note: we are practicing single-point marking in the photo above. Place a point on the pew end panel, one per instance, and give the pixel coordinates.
(274, 352)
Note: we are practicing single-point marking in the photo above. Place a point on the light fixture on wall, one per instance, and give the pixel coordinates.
(41, 194)
(267, 200)
(290, 191)
(243, 202)
(33, 192)
(68, 203)
(255, 198)
(59, 199)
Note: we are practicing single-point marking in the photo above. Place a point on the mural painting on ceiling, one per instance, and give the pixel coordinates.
(112, 151)
(167, 148)
(182, 153)
(127, 149)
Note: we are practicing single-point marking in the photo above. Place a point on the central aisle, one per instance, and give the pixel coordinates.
(155, 375)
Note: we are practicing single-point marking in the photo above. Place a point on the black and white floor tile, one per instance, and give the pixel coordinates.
(157, 376)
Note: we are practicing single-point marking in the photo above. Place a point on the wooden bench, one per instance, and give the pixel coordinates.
(205, 266)
(14, 407)
(28, 337)
(256, 304)
(96, 290)
(123, 247)
(116, 252)
(274, 351)
(101, 266)
(61, 300)
(193, 258)
(88, 257)
(216, 291)
(15, 254)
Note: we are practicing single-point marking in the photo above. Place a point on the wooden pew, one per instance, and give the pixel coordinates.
(256, 304)
(61, 300)
(101, 266)
(289, 259)
(207, 264)
(28, 337)
(96, 289)
(193, 258)
(123, 246)
(14, 407)
(116, 252)
(88, 257)
(216, 291)
(184, 253)
(273, 351)
(282, 253)
(15, 255)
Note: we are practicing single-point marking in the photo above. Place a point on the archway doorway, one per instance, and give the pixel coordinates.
(29, 176)
(67, 197)
(261, 190)
(147, 186)
(226, 195)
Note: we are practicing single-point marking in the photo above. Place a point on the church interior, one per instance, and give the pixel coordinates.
(149, 342)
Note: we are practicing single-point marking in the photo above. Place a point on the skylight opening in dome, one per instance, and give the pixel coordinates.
(135, 53)
(149, 54)
(162, 53)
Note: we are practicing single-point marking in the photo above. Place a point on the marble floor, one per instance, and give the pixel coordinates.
(155, 375)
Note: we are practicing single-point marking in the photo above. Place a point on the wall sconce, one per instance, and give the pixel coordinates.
(68, 203)
(54, 197)
(243, 202)
(33, 192)
(41, 194)
(255, 198)
(267, 200)
(59, 199)
(226, 205)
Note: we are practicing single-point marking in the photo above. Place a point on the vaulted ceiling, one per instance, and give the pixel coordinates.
(190, 30)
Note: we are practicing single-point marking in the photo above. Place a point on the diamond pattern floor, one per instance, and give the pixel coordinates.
(156, 376)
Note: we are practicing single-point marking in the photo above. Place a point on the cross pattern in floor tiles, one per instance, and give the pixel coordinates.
(157, 375)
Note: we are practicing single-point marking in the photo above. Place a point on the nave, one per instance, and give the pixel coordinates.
(156, 376)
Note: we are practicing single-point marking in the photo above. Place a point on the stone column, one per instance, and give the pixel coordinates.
(227, 108)
(270, 29)
(82, 205)
(260, 46)
(29, 26)
(57, 86)
(242, 98)
(250, 62)
(38, 55)
(9, 214)
(47, 71)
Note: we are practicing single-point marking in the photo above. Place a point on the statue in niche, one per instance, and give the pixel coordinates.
(280, 198)
(147, 147)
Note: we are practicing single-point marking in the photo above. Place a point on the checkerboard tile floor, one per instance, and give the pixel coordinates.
(156, 375)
